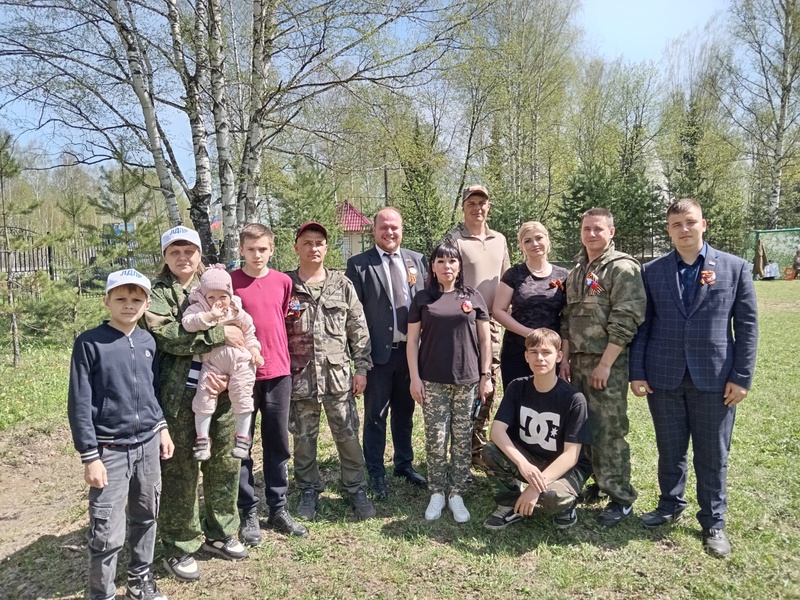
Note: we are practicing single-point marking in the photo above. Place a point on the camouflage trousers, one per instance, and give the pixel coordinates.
(505, 477)
(480, 434)
(342, 415)
(448, 422)
(179, 524)
(608, 418)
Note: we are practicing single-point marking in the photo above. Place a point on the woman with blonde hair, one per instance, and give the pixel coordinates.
(530, 295)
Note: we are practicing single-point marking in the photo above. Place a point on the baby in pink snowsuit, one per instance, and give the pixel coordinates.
(212, 304)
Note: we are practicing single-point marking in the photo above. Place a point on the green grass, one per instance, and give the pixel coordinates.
(37, 391)
(400, 555)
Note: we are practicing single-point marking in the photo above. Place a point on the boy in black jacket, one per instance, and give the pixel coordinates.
(119, 429)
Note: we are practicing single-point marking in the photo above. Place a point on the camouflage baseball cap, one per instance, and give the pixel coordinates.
(474, 190)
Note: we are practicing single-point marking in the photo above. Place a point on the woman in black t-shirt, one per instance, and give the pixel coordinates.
(449, 358)
(530, 295)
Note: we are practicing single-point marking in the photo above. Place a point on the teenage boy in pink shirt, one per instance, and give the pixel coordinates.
(265, 296)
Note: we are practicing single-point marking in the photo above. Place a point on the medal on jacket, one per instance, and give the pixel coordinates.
(708, 278)
(557, 283)
(466, 306)
(294, 307)
(594, 286)
(411, 270)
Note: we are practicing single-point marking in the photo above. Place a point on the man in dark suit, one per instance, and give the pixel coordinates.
(694, 357)
(386, 278)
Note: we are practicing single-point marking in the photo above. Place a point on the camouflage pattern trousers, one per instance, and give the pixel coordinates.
(448, 422)
(179, 524)
(505, 476)
(480, 435)
(608, 418)
(342, 415)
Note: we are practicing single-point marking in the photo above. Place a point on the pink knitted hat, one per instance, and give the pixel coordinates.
(216, 278)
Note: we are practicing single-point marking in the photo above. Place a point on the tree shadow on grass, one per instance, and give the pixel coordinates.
(50, 566)
(408, 523)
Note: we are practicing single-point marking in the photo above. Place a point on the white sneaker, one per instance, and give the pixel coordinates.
(460, 512)
(435, 506)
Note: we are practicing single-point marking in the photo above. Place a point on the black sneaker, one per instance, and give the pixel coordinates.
(566, 519)
(283, 522)
(591, 494)
(614, 512)
(250, 531)
(658, 518)
(716, 543)
(307, 508)
(183, 568)
(361, 505)
(502, 517)
(143, 588)
(229, 548)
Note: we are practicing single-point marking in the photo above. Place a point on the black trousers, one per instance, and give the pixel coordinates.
(271, 397)
(388, 394)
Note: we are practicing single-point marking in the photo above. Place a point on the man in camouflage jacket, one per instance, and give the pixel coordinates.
(605, 305)
(326, 328)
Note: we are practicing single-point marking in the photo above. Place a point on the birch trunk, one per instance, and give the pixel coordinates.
(138, 76)
(250, 171)
(227, 182)
(201, 193)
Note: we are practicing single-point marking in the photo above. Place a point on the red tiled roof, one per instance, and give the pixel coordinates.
(351, 220)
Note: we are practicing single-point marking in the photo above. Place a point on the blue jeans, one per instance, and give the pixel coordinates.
(134, 479)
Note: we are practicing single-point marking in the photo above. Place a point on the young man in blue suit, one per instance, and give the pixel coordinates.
(386, 278)
(694, 357)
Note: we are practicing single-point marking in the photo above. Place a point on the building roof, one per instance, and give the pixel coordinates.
(351, 220)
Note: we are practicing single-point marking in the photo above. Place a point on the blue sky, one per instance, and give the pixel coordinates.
(639, 30)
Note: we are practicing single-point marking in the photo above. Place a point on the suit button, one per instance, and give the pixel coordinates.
(390, 328)
(688, 322)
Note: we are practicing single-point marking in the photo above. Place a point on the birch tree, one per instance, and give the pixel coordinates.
(96, 75)
(762, 92)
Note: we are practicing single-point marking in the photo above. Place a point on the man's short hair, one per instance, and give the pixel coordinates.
(386, 209)
(599, 212)
(682, 206)
(543, 337)
(253, 231)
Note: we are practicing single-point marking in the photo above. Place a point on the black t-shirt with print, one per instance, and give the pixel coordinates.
(542, 422)
(448, 349)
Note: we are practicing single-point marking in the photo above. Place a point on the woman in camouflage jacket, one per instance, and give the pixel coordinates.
(179, 523)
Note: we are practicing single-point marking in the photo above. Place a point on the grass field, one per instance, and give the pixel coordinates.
(400, 555)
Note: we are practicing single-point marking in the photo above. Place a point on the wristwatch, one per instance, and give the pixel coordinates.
(488, 374)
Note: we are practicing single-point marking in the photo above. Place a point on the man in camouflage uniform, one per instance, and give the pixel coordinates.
(325, 328)
(605, 305)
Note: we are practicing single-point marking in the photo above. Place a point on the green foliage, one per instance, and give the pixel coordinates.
(591, 186)
(425, 220)
(304, 193)
(49, 313)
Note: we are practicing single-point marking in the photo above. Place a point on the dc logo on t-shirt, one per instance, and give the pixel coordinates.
(539, 428)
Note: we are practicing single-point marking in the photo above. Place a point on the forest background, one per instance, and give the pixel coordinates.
(215, 113)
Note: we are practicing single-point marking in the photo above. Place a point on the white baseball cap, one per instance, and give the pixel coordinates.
(179, 233)
(127, 277)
